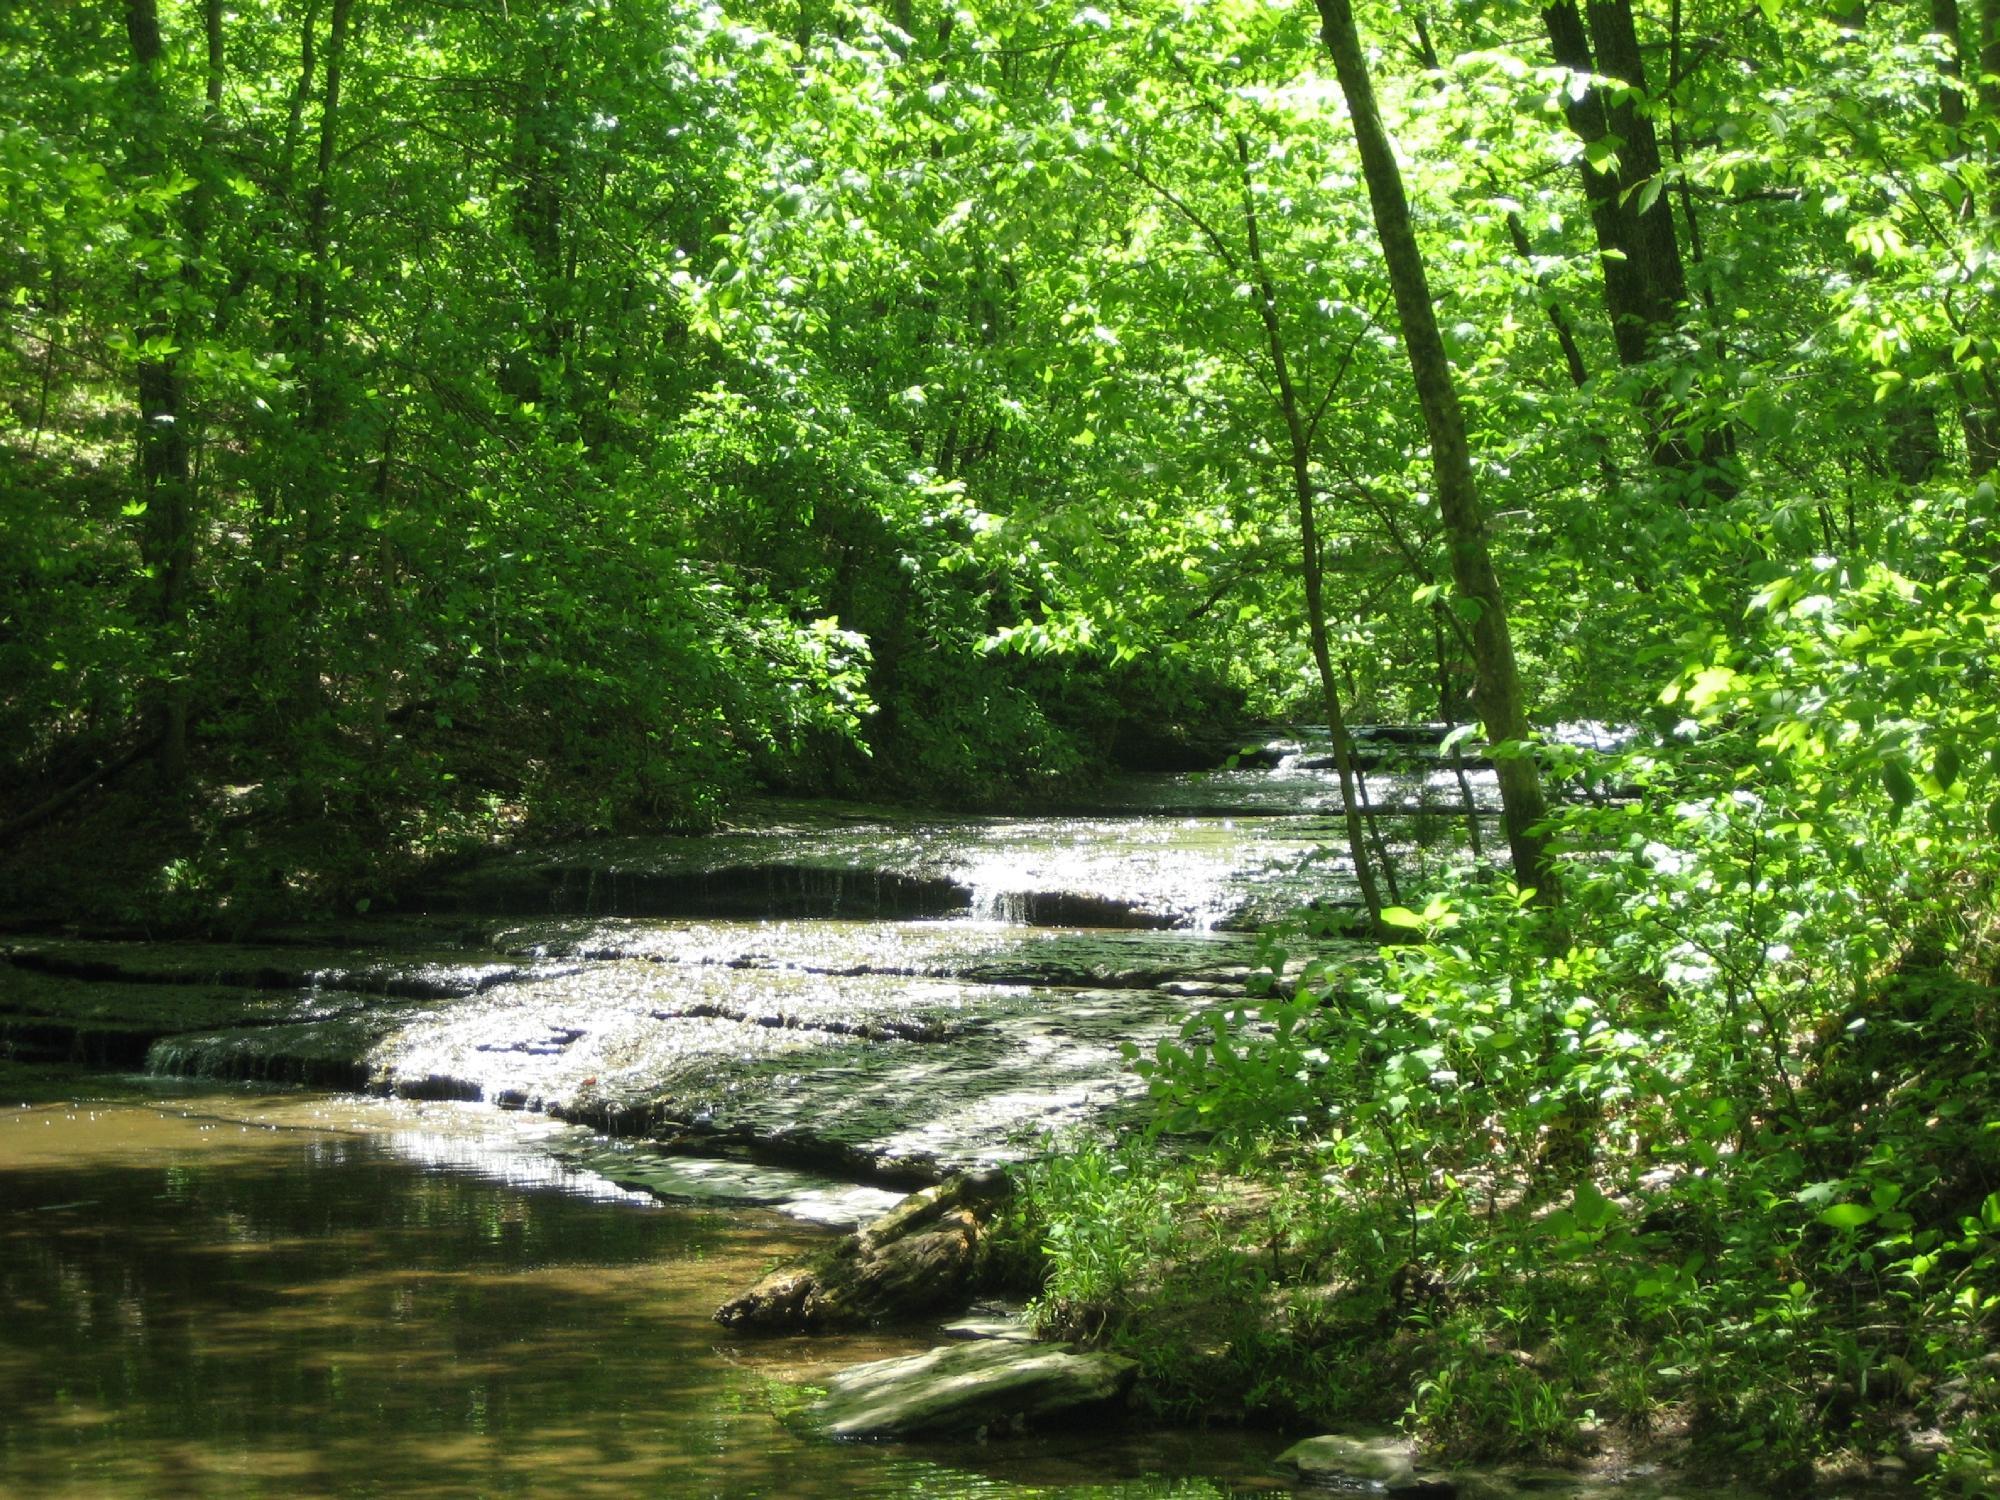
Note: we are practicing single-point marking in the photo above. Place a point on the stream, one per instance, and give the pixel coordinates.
(441, 1200)
(239, 1294)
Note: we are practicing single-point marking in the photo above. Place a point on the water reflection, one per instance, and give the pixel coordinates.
(205, 1305)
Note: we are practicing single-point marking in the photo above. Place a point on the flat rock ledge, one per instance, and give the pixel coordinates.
(921, 1257)
(983, 1386)
(1380, 1465)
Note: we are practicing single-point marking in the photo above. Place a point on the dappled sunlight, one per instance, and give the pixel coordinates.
(200, 1305)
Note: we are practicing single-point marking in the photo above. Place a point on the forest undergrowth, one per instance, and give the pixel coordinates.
(1705, 1154)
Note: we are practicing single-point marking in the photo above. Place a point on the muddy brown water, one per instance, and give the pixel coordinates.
(223, 1294)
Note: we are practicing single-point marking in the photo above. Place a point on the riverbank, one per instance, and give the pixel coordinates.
(1542, 1193)
(1487, 1186)
(428, 1294)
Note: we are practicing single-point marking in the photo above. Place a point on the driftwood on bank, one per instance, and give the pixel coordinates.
(921, 1257)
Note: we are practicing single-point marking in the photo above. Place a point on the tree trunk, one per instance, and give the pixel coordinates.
(541, 170)
(1300, 443)
(166, 539)
(1497, 691)
(1989, 93)
(1951, 98)
(1645, 280)
(1448, 716)
(1982, 425)
(1914, 452)
(316, 428)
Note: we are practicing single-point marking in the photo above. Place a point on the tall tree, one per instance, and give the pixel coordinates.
(315, 498)
(1298, 442)
(1644, 276)
(165, 480)
(1497, 690)
(1978, 399)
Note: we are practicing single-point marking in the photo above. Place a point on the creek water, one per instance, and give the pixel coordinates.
(222, 1295)
(397, 1287)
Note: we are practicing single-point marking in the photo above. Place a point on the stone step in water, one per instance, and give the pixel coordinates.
(117, 1024)
(889, 1051)
(977, 952)
(679, 1178)
(779, 887)
(334, 1052)
(897, 1079)
(1416, 802)
(1118, 873)
(432, 973)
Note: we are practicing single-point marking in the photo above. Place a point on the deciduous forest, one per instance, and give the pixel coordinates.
(428, 424)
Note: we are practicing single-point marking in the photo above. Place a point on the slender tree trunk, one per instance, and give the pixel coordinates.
(1384, 861)
(202, 204)
(1498, 688)
(1951, 97)
(1450, 721)
(1982, 427)
(541, 169)
(1300, 443)
(270, 610)
(166, 540)
(1988, 93)
(1978, 400)
(1566, 340)
(315, 471)
(1979, 394)
(295, 116)
(51, 348)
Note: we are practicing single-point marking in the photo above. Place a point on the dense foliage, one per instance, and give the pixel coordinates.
(1713, 1149)
(421, 417)
(581, 410)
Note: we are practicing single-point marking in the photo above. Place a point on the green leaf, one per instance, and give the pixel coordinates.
(1945, 765)
(1709, 684)
(1897, 781)
(1847, 1216)
(1647, 193)
(1593, 1210)
(1401, 916)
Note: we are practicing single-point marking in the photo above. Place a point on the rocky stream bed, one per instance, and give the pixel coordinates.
(817, 1010)
(883, 998)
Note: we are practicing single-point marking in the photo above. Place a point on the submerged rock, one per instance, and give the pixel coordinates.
(993, 1321)
(1378, 1465)
(969, 1387)
(920, 1257)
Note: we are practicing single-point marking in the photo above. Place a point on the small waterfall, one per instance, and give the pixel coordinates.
(991, 903)
(272, 1054)
(177, 1057)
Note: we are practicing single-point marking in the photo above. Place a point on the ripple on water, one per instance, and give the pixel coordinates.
(224, 1298)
